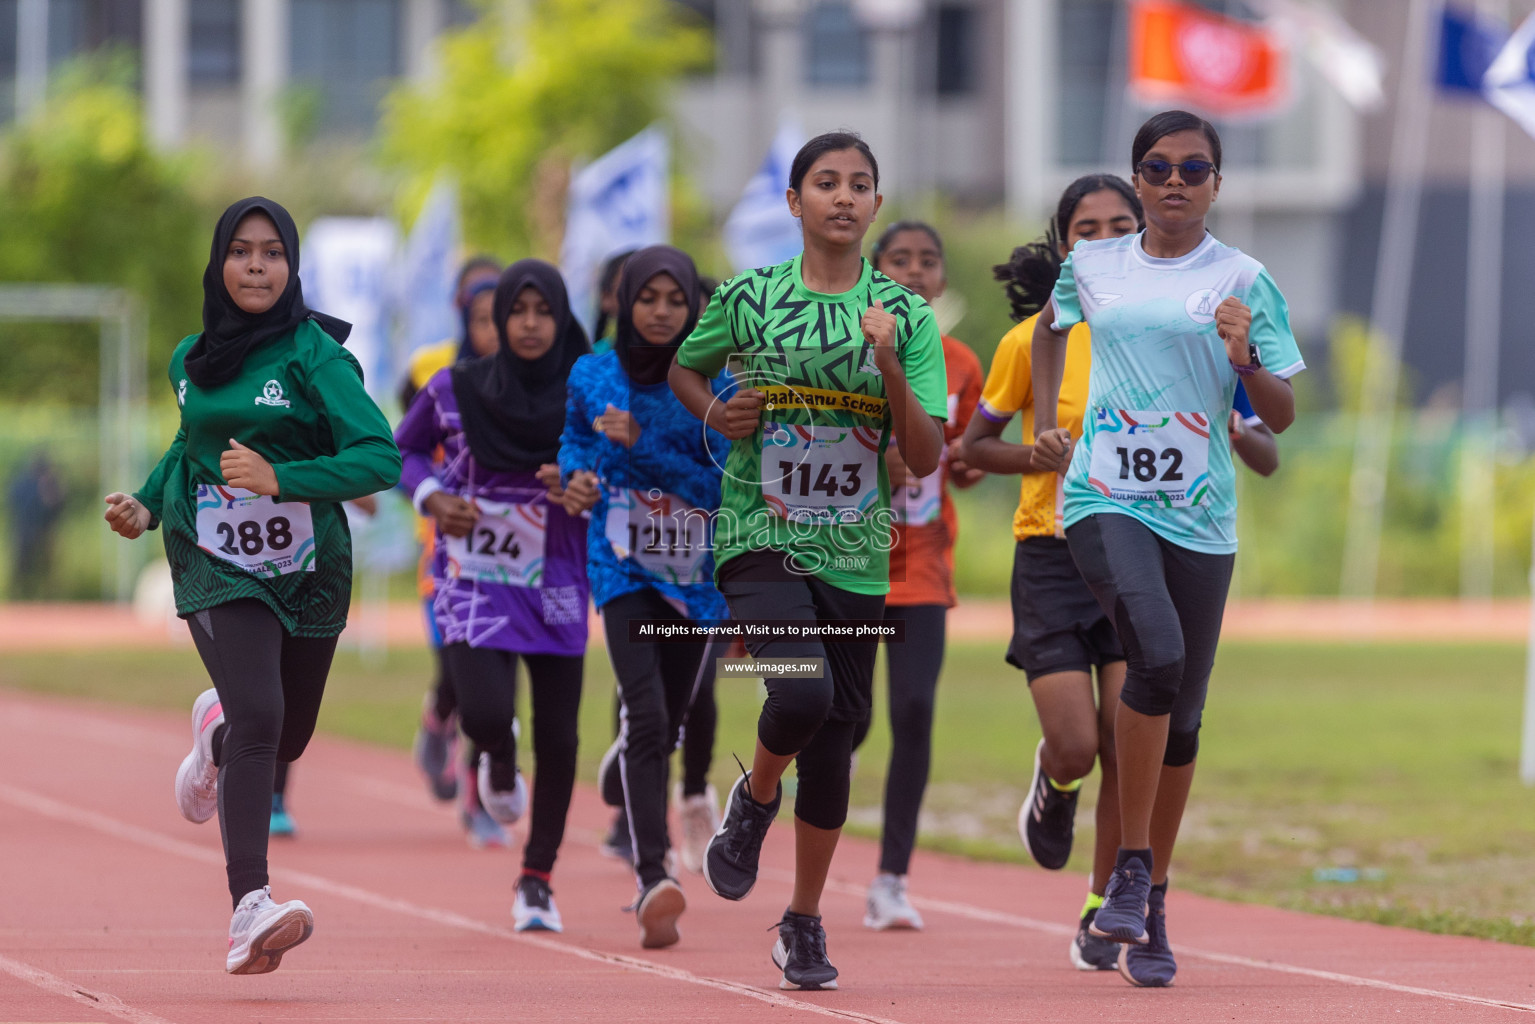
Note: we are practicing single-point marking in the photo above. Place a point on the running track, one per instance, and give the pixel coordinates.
(114, 909)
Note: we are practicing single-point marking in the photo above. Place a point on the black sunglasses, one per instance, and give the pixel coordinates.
(1156, 172)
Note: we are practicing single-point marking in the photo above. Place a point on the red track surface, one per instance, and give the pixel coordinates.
(114, 908)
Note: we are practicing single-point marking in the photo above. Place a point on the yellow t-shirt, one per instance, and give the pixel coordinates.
(1010, 391)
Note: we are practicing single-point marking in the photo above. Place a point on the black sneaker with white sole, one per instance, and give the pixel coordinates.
(1089, 952)
(730, 862)
(800, 953)
(1047, 819)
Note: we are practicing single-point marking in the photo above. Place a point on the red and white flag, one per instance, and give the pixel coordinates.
(1183, 54)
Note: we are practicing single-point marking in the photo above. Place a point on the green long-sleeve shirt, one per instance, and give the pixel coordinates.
(298, 402)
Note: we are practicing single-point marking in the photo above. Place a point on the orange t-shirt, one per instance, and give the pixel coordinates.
(922, 559)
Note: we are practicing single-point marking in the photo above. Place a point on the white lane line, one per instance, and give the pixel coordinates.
(101, 1002)
(80, 817)
(973, 913)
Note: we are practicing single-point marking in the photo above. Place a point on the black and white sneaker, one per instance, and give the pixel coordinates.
(730, 862)
(1089, 952)
(800, 953)
(1047, 819)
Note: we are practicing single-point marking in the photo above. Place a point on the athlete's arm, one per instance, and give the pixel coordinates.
(738, 417)
(126, 516)
(366, 459)
(920, 437)
(1052, 446)
(984, 448)
(1272, 399)
(1256, 445)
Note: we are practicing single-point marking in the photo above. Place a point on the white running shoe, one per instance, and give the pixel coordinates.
(887, 906)
(700, 817)
(262, 931)
(657, 911)
(533, 910)
(505, 805)
(197, 780)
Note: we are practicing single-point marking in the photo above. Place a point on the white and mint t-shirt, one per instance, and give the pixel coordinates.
(1154, 442)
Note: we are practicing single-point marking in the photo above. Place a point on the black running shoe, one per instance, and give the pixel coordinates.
(800, 953)
(1089, 952)
(1123, 914)
(617, 843)
(1151, 965)
(730, 862)
(1047, 819)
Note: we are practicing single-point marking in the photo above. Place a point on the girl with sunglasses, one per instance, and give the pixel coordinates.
(1149, 502)
(1060, 635)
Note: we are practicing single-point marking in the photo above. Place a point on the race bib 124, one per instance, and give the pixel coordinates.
(505, 546)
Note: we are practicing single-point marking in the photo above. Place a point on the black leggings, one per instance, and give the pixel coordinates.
(270, 685)
(485, 680)
(914, 667)
(656, 683)
(1166, 603)
(811, 717)
(699, 726)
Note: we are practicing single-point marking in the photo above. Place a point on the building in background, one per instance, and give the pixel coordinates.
(986, 102)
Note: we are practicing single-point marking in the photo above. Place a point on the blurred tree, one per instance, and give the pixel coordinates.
(85, 198)
(527, 89)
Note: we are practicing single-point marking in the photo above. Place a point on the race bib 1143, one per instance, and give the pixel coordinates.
(1158, 458)
(820, 475)
(252, 531)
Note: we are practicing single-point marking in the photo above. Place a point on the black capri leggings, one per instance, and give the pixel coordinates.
(914, 666)
(270, 684)
(808, 716)
(1166, 603)
(485, 679)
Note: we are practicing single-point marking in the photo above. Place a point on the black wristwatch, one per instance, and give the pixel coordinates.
(1254, 364)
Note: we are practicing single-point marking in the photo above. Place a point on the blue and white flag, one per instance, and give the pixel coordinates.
(346, 273)
(1468, 43)
(618, 202)
(760, 231)
(1509, 83)
(428, 269)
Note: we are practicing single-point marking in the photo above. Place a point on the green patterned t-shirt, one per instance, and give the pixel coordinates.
(811, 482)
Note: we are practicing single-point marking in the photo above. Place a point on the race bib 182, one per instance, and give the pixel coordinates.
(252, 531)
(1160, 458)
(820, 475)
(659, 532)
(505, 546)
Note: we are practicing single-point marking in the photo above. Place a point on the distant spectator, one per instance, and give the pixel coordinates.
(36, 500)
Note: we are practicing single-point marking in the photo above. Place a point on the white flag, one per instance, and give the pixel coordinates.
(427, 273)
(760, 231)
(618, 202)
(1349, 61)
(1509, 83)
(346, 274)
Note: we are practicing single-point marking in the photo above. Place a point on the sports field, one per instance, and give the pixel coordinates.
(1393, 759)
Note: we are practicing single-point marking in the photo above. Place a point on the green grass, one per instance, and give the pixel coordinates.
(1398, 758)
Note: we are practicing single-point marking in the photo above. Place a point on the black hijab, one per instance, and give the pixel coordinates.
(229, 333)
(513, 409)
(647, 364)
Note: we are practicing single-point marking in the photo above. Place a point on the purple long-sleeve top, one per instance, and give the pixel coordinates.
(518, 582)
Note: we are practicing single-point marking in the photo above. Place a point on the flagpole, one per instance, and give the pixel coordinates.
(1484, 322)
(1388, 305)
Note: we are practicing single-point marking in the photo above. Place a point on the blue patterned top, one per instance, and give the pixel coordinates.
(652, 524)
